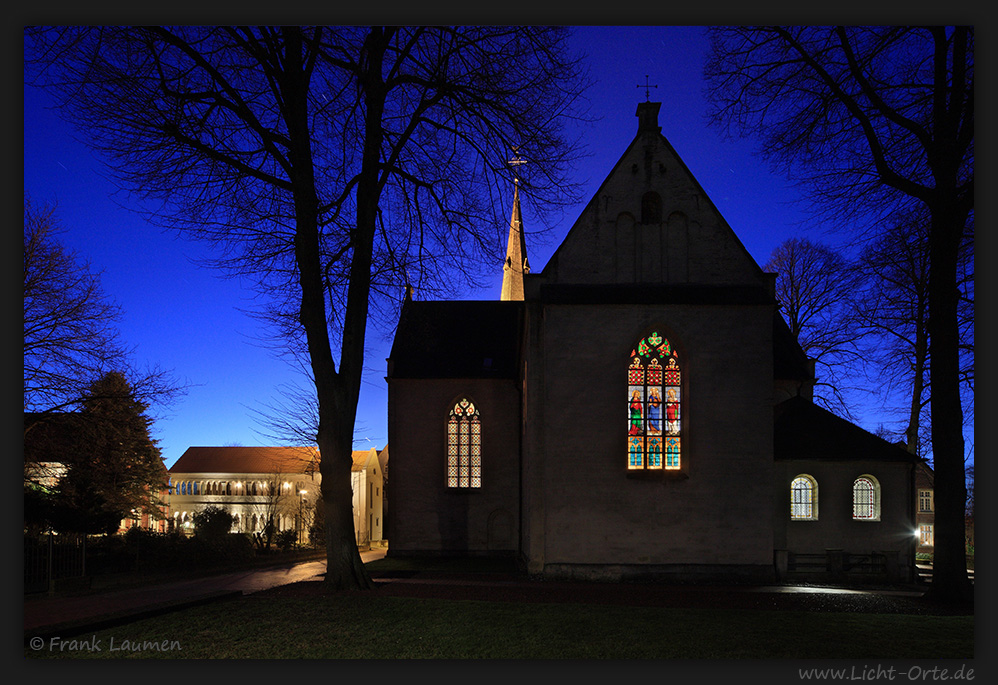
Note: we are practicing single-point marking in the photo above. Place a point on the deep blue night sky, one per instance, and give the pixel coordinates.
(186, 318)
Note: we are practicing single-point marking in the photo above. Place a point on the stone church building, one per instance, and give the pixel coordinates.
(638, 408)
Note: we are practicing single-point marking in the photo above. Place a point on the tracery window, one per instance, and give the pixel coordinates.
(866, 499)
(464, 446)
(654, 422)
(804, 498)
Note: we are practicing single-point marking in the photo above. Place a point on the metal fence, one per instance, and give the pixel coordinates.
(51, 557)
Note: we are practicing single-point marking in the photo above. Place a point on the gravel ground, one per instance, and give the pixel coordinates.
(502, 589)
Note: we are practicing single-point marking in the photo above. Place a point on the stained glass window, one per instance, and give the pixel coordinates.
(803, 499)
(653, 406)
(866, 499)
(464, 446)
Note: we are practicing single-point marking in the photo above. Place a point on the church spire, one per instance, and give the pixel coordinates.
(516, 249)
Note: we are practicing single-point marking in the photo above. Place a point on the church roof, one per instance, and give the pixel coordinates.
(617, 185)
(789, 359)
(266, 460)
(803, 430)
(460, 339)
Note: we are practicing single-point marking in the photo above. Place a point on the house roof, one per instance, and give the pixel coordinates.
(265, 460)
(362, 457)
(262, 460)
(803, 430)
(461, 339)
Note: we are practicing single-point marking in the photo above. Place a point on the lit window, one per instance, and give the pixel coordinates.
(464, 446)
(925, 534)
(925, 500)
(653, 406)
(866, 499)
(804, 499)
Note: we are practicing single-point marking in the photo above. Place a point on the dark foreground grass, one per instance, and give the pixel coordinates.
(360, 626)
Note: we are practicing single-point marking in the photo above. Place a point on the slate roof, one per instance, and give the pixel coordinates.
(789, 360)
(461, 339)
(803, 430)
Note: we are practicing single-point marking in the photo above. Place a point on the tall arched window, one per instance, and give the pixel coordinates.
(866, 499)
(804, 498)
(654, 420)
(464, 446)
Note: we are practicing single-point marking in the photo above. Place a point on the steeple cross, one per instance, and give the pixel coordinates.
(646, 86)
(516, 161)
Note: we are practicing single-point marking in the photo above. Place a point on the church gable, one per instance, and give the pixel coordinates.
(651, 223)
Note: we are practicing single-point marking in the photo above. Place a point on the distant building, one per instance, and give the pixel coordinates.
(925, 507)
(260, 484)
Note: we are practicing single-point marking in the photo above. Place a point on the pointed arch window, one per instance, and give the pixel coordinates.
(654, 419)
(464, 446)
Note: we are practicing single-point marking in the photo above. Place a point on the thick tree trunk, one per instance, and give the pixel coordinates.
(336, 392)
(918, 383)
(949, 578)
(344, 568)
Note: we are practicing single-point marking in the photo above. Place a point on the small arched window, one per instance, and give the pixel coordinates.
(651, 208)
(654, 420)
(464, 446)
(804, 498)
(866, 499)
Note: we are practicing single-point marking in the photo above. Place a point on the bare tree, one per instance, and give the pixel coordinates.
(70, 335)
(814, 285)
(873, 121)
(894, 308)
(326, 163)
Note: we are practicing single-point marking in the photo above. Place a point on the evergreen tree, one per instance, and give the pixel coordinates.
(114, 466)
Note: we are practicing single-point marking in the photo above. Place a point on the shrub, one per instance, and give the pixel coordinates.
(212, 523)
(287, 539)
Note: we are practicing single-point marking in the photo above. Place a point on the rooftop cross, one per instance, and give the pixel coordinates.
(513, 163)
(646, 86)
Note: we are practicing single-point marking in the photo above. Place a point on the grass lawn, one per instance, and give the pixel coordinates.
(364, 626)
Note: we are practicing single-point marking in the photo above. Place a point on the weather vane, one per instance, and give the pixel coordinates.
(516, 161)
(646, 87)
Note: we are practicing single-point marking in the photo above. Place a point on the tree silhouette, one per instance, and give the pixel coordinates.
(328, 164)
(112, 466)
(875, 122)
(814, 287)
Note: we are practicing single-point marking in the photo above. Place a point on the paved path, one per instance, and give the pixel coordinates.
(45, 612)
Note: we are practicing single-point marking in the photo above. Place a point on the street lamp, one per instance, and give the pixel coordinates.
(301, 500)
